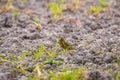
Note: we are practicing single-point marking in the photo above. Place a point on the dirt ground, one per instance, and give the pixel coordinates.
(96, 39)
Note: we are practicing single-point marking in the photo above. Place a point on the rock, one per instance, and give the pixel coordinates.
(35, 36)
(78, 60)
(5, 76)
(22, 78)
(8, 21)
(96, 75)
(109, 57)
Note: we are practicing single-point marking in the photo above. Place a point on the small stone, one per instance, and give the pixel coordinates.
(108, 57)
(75, 37)
(94, 75)
(35, 36)
(23, 78)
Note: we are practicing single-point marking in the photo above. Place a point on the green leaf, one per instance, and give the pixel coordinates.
(10, 1)
(52, 61)
(16, 14)
(103, 3)
(22, 57)
(40, 52)
(96, 10)
(36, 19)
(118, 62)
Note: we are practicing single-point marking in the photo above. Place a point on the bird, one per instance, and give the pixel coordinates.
(65, 45)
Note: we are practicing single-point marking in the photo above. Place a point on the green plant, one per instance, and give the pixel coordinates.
(103, 3)
(66, 74)
(11, 57)
(38, 74)
(102, 51)
(52, 61)
(16, 62)
(57, 9)
(3, 59)
(51, 56)
(65, 45)
(110, 70)
(24, 1)
(76, 4)
(118, 62)
(22, 57)
(96, 10)
(40, 52)
(8, 6)
(20, 68)
(117, 76)
(37, 23)
(101, 7)
(16, 14)
(9, 1)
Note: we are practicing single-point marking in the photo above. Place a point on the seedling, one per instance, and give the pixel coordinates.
(65, 45)
(103, 3)
(8, 6)
(24, 1)
(51, 56)
(37, 75)
(37, 23)
(3, 59)
(51, 61)
(118, 62)
(76, 4)
(15, 62)
(9, 1)
(96, 10)
(40, 53)
(57, 10)
(75, 74)
(102, 51)
(20, 68)
(102, 7)
(22, 57)
(110, 70)
(117, 76)
(11, 57)
(16, 14)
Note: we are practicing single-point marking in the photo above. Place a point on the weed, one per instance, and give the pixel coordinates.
(52, 61)
(57, 9)
(100, 8)
(11, 57)
(22, 57)
(20, 68)
(40, 52)
(37, 23)
(8, 6)
(96, 10)
(118, 62)
(16, 14)
(32, 78)
(38, 74)
(110, 70)
(102, 51)
(2, 59)
(76, 4)
(24, 1)
(75, 74)
(9, 1)
(117, 76)
(65, 45)
(103, 3)
(51, 56)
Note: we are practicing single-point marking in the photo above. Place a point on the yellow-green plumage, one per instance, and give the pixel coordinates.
(64, 45)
